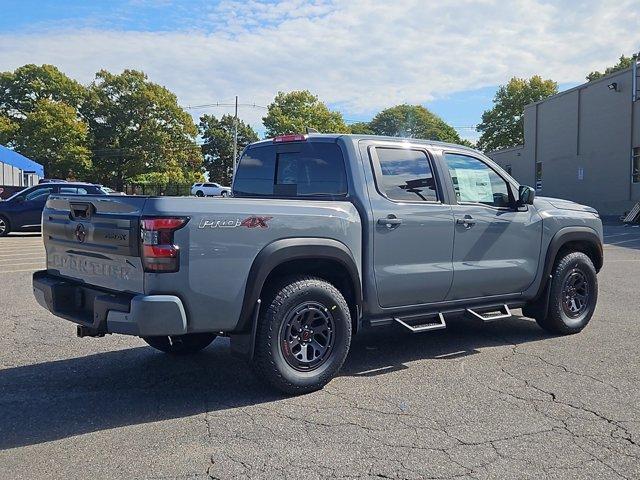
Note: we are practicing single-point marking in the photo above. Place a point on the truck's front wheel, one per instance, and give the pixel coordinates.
(303, 335)
(573, 296)
(181, 344)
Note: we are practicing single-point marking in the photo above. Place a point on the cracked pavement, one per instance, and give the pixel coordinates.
(475, 401)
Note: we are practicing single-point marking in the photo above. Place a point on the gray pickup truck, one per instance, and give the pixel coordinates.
(324, 235)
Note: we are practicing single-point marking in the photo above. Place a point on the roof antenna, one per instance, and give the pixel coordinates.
(311, 130)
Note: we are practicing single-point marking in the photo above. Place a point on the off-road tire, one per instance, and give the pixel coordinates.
(4, 232)
(269, 360)
(181, 344)
(557, 320)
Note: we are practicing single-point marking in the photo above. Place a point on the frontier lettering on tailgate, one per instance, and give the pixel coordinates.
(89, 267)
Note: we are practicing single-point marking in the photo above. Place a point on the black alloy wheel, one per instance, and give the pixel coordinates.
(575, 293)
(307, 335)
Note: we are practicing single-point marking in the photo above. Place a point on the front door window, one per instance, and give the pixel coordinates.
(475, 182)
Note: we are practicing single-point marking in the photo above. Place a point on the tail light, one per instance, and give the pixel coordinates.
(159, 253)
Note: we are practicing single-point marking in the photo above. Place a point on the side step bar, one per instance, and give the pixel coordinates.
(431, 323)
(490, 316)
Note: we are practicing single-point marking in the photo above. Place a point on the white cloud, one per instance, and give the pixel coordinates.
(360, 54)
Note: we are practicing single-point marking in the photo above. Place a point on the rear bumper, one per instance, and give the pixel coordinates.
(100, 311)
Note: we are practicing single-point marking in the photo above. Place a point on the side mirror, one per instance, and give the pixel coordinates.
(526, 195)
(19, 200)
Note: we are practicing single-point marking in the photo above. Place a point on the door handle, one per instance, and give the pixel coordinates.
(390, 222)
(467, 221)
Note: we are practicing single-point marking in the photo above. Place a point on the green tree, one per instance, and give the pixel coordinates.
(53, 136)
(294, 111)
(39, 117)
(218, 145)
(623, 63)
(361, 128)
(413, 121)
(503, 125)
(8, 130)
(138, 128)
(22, 89)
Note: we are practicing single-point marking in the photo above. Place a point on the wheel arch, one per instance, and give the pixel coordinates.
(323, 257)
(574, 239)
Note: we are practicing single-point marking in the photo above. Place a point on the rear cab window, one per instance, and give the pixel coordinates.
(292, 170)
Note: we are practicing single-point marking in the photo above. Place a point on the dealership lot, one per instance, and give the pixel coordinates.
(499, 400)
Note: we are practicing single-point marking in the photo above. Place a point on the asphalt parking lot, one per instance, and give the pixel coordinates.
(499, 400)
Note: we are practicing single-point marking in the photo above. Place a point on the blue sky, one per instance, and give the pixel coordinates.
(359, 56)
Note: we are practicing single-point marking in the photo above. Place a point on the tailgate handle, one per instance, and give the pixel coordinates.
(80, 211)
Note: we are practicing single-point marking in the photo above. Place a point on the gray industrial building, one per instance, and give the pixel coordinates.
(583, 144)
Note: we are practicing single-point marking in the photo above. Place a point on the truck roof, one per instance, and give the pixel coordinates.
(356, 137)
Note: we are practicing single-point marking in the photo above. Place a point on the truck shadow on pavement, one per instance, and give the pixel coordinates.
(59, 399)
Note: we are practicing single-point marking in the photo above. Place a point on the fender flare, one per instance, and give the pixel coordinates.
(285, 250)
(561, 238)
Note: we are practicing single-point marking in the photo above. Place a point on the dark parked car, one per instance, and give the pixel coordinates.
(22, 211)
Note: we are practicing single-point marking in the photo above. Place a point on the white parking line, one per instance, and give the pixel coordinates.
(16, 271)
(7, 262)
(39, 242)
(16, 264)
(18, 244)
(619, 235)
(19, 254)
(637, 239)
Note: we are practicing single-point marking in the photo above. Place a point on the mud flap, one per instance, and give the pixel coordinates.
(538, 308)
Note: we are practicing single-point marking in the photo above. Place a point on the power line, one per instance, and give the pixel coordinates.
(221, 104)
(348, 121)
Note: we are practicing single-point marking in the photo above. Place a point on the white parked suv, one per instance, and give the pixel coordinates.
(210, 190)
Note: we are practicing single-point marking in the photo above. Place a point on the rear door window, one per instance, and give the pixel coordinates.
(309, 169)
(405, 175)
(80, 190)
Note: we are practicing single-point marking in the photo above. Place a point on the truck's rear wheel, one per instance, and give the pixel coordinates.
(181, 344)
(303, 335)
(573, 296)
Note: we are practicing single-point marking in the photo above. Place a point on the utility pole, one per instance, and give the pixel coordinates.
(235, 138)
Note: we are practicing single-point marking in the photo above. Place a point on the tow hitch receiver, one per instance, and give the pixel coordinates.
(82, 331)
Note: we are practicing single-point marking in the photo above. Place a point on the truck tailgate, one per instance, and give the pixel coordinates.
(95, 239)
